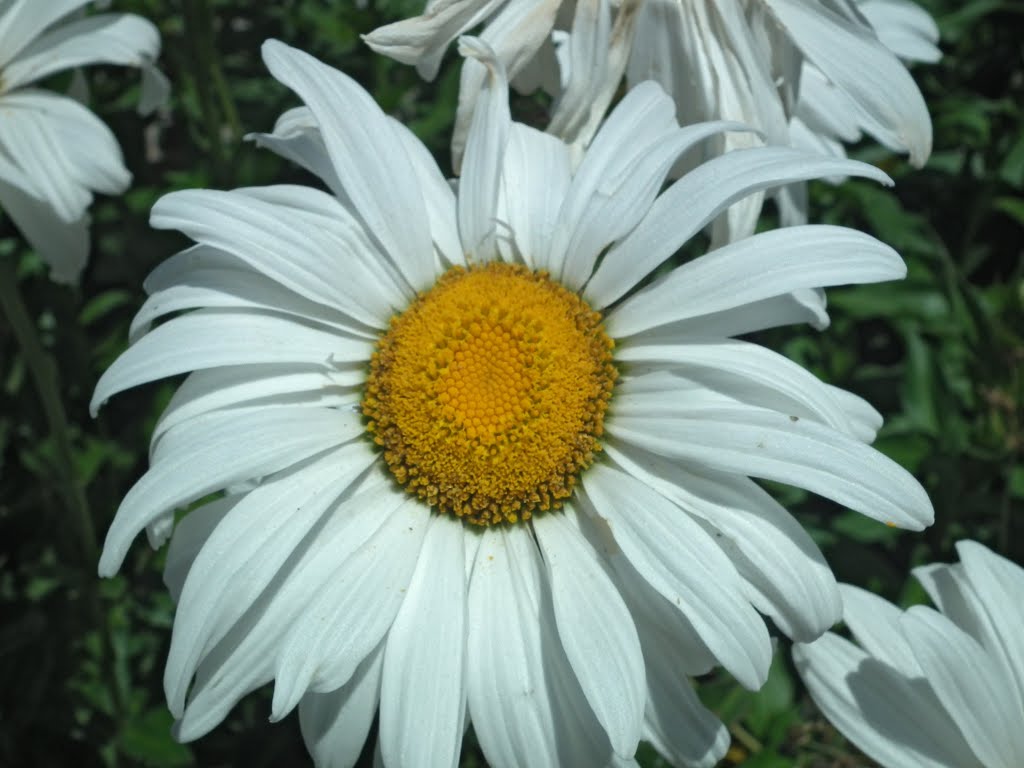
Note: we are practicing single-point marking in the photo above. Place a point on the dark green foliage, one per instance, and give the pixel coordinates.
(941, 354)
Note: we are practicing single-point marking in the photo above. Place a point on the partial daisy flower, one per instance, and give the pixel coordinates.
(519, 33)
(825, 117)
(482, 469)
(930, 688)
(54, 152)
(805, 73)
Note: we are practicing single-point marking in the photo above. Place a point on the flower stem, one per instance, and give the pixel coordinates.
(43, 370)
(215, 99)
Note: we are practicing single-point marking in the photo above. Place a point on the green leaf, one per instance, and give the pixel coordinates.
(147, 739)
(1011, 206)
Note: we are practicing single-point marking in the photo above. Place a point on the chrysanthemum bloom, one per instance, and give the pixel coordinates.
(927, 688)
(476, 473)
(54, 152)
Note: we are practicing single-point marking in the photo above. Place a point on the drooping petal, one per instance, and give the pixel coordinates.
(684, 564)
(245, 552)
(62, 245)
(423, 692)
(771, 550)
(891, 106)
(513, 647)
(596, 631)
(204, 456)
(347, 619)
(335, 724)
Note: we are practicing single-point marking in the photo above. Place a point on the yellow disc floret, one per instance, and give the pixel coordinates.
(488, 393)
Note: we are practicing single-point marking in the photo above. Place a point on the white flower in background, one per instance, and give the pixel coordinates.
(477, 474)
(519, 32)
(927, 688)
(54, 152)
(803, 72)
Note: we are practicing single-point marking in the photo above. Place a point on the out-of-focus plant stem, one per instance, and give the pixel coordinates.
(215, 100)
(44, 373)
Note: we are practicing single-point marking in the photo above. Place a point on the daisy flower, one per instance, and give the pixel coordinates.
(54, 152)
(805, 73)
(930, 688)
(479, 468)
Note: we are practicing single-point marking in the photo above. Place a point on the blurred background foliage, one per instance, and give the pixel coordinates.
(941, 354)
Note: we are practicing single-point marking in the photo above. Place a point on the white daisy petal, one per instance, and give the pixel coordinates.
(687, 207)
(335, 724)
(211, 338)
(751, 373)
(755, 316)
(189, 535)
(85, 150)
(774, 446)
(303, 251)
(23, 20)
(422, 40)
(245, 552)
(234, 289)
(770, 549)
(515, 34)
(903, 27)
(244, 659)
(64, 246)
(437, 194)
(267, 385)
(296, 137)
(969, 685)
(596, 631)
(875, 623)
(685, 565)
(423, 695)
(956, 596)
(534, 183)
(759, 267)
(610, 195)
(505, 654)
(676, 723)
(368, 157)
(890, 104)
(998, 586)
(349, 616)
(512, 647)
(208, 456)
(896, 721)
(485, 156)
(33, 137)
(659, 622)
(109, 38)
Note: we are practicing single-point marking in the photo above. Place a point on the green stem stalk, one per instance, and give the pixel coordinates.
(43, 370)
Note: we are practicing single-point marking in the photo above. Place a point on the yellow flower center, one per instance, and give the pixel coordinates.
(488, 393)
